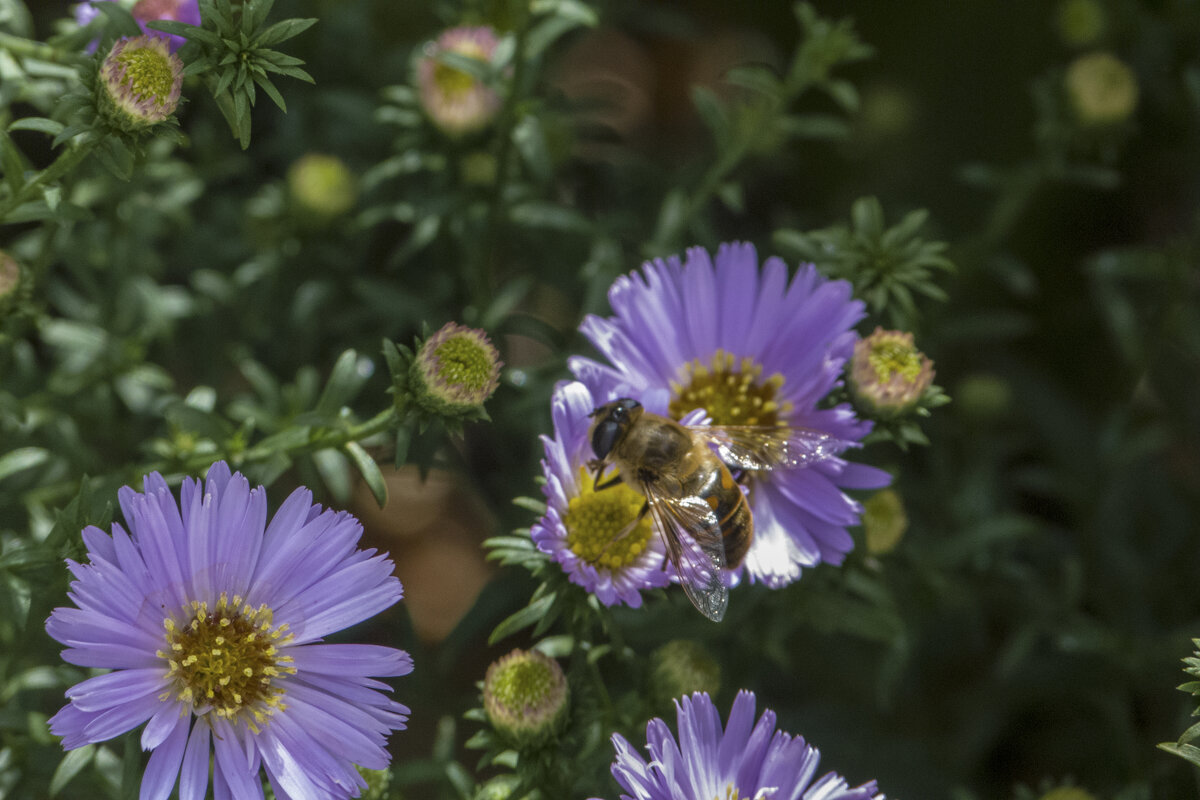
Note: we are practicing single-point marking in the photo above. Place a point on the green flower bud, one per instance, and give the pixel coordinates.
(682, 666)
(455, 371)
(884, 521)
(139, 83)
(322, 186)
(1101, 89)
(525, 697)
(888, 374)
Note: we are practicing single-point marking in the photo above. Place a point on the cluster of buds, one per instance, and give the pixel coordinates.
(525, 697)
(456, 101)
(450, 376)
(139, 83)
(888, 375)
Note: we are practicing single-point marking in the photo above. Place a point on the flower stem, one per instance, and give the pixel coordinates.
(324, 440)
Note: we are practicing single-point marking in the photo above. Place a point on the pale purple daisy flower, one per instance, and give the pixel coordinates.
(580, 523)
(750, 347)
(211, 620)
(456, 101)
(187, 11)
(747, 760)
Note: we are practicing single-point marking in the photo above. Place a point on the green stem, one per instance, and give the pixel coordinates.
(66, 162)
(489, 254)
(379, 423)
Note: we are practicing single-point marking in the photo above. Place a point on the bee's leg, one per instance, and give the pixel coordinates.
(613, 481)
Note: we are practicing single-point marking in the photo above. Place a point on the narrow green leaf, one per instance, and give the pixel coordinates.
(344, 383)
(522, 619)
(1186, 751)
(294, 72)
(272, 92)
(370, 472)
(71, 765)
(255, 13)
(21, 459)
(282, 31)
(12, 162)
(41, 124)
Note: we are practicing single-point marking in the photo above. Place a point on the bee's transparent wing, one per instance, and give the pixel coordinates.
(693, 536)
(770, 447)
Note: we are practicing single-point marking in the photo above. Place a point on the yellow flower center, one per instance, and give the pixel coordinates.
(889, 357)
(731, 390)
(455, 82)
(227, 659)
(462, 361)
(148, 73)
(594, 519)
(522, 683)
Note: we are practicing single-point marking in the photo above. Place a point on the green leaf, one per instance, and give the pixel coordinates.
(71, 765)
(254, 14)
(369, 471)
(13, 163)
(527, 616)
(41, 124)
(272, 92)
(1185, 751)
(344, 383)
(21, 459)
(282, 31)
(713, 113)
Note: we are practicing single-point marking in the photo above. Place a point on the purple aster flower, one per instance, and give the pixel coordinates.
(747, 760)
(749, 347)
(211, 621)
(580, 523)
(144, 11)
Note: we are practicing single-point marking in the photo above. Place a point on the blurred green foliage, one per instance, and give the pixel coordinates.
(1026, 631)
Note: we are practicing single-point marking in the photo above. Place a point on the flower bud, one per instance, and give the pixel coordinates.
(888, 374)
(322, 186)
(139, 83)
(456, 101)
(681, 667)
(455, 371)
(884, 521)
(1101, 89)
(525, 697)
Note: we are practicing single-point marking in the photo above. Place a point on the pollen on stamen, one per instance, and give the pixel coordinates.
(732, 391)
(220, 656)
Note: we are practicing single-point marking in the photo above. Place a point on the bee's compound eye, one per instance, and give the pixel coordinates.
(605, 436)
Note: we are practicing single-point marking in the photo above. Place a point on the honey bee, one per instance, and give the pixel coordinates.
(684, 473)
